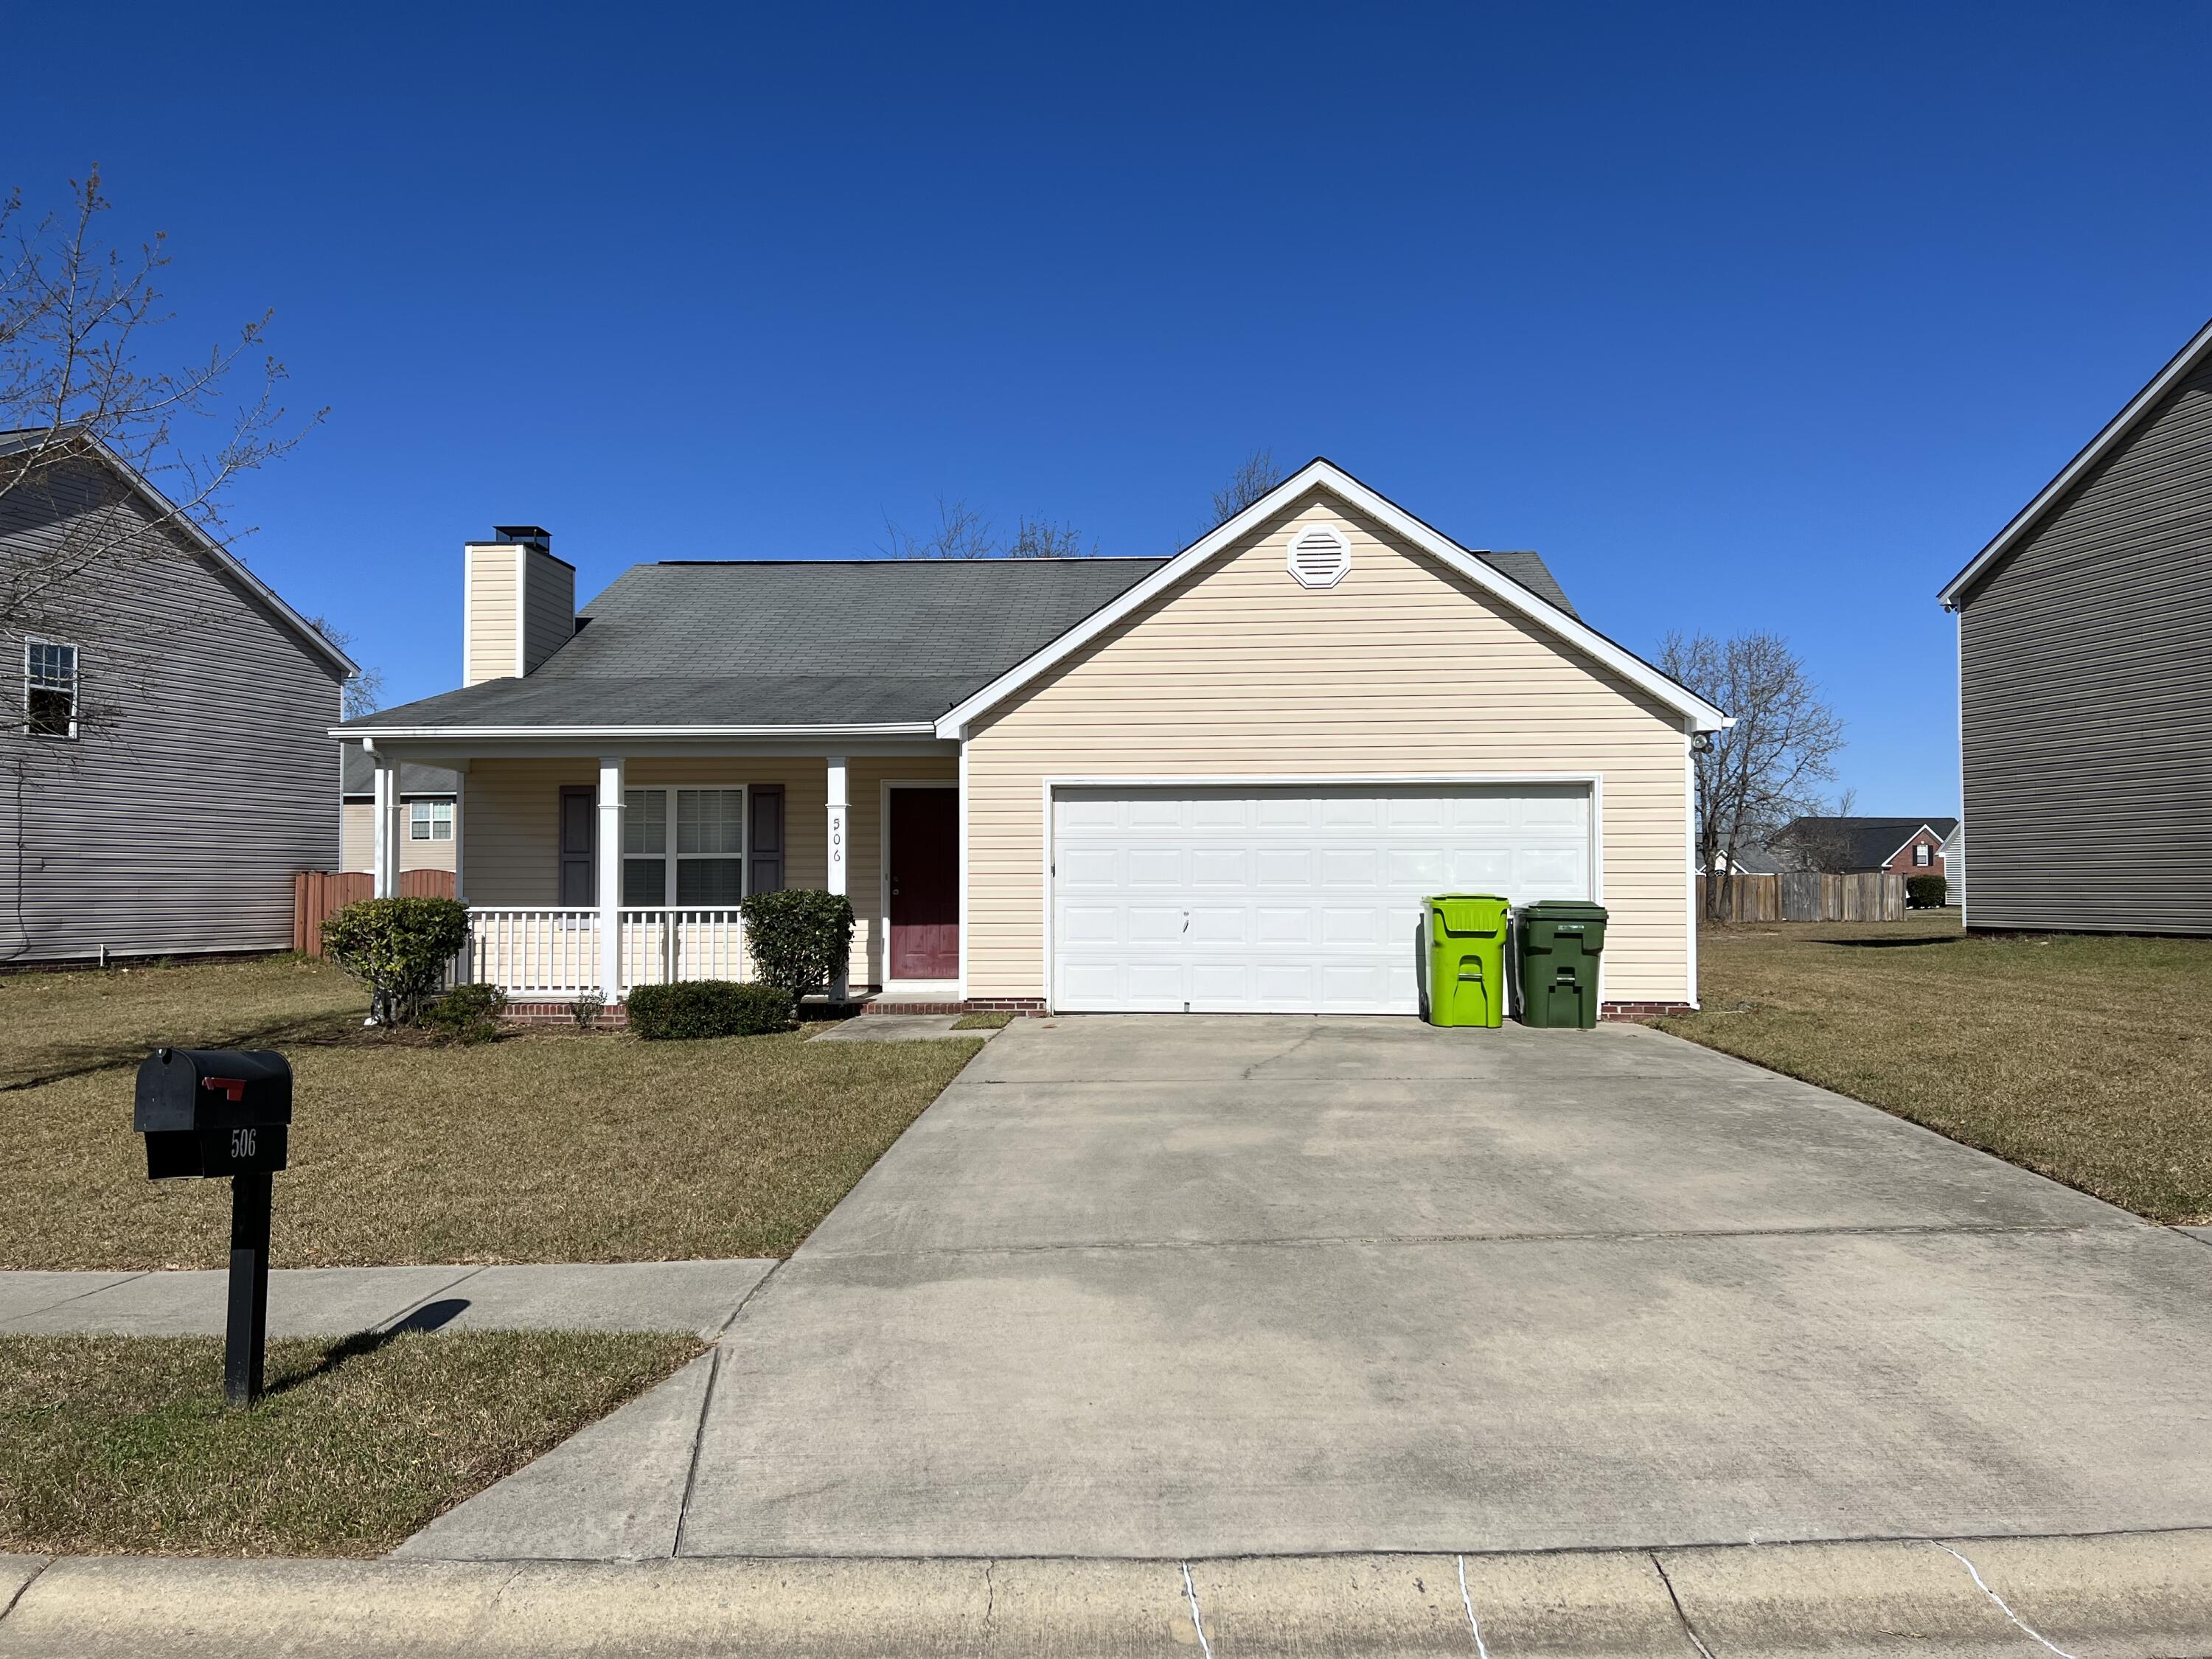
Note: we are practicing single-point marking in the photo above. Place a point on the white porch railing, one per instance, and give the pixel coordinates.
(538, 952)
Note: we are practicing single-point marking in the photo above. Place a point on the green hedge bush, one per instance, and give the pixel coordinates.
(708, 1008)
(400, 948)
(799, 937)
(1925, 892)
(467, 1013)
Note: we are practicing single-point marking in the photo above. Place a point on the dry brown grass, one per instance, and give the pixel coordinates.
(122, 1444)
(539, 1147)
(2085, 1059)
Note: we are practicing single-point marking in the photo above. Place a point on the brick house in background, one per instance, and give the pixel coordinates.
(1899, 846)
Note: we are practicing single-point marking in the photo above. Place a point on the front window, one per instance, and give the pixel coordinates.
(1923, 854)
(49, 688)
(702, 863)
(430, 820)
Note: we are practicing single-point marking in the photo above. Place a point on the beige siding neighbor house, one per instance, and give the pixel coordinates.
(1219, 782)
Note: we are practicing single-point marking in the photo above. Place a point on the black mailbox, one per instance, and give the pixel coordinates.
(213, 1112)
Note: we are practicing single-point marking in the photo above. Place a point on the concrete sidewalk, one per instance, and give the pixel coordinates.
(2136, 1597)
(699, 1297)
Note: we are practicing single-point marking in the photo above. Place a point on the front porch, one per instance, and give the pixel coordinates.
(589, 874)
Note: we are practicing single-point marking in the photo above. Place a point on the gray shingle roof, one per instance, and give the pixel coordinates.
(1870, 843)
(808, 642)
(357, 775)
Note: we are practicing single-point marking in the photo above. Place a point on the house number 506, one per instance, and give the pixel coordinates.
(241, 1143)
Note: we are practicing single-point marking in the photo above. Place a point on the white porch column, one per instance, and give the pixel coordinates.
(611, 808)
(839, 844)
(387, 826)
(460, 832)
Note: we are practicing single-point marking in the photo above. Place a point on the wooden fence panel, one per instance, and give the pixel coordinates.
(318, 895)
(1808, 896)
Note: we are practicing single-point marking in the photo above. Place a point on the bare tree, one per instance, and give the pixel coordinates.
(1040, 538)
(75, 398)
(1763, 771)
(1254, 478)
(364, 688)
(963, 533)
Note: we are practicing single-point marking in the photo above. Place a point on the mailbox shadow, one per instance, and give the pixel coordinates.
(430, 1316)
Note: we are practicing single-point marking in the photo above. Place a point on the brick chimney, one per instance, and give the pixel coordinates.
(519, 604)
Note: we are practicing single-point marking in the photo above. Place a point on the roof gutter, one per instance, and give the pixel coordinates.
(370, 735)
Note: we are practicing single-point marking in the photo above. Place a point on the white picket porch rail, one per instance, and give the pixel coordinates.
(555, 952)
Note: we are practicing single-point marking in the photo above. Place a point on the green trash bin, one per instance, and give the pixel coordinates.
(1561, 940)
(1467, 958)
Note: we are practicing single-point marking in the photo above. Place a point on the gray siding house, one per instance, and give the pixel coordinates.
(2085, 681)
(165, 760)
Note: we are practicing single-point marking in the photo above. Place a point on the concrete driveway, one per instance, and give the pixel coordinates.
(1205, 1286)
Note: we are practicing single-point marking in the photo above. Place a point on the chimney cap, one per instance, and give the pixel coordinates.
(529, 534)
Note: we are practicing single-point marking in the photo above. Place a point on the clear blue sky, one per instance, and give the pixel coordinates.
(1759, 318)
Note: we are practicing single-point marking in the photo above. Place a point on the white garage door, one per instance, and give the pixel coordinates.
(1306, 900)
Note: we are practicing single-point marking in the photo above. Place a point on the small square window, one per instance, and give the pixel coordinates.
(430, 820)
(1922, 853)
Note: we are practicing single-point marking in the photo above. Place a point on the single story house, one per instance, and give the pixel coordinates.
(2085, 680)
(1849, 846)
(1221, 782)
(430, 807)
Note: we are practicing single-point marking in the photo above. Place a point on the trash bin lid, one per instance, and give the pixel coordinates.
(1471, 913)
(1566, 910)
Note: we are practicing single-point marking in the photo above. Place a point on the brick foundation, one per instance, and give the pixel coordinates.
(615, 1017)
(973, 1006)
(1643, 1010)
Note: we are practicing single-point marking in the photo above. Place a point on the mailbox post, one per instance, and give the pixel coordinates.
(208, 1113)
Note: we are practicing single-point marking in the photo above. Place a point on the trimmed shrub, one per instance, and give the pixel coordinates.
(708, 1008)
(1925, 892)
(400, 948)
(467, 1013)
(799, 937)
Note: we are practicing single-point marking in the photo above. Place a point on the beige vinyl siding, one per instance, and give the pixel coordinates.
(359, 851)
(1403, 667)
(549, 607)
(512, 850)
(489, 626)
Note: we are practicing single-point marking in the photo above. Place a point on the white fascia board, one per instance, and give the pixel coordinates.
(2097, 448)
(227, 561)
(624, 733)
(1328, 476)
(1925, 829)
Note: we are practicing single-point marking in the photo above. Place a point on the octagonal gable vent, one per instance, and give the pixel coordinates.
(1321, 554)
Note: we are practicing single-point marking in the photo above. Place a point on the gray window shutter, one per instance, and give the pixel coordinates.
(580, 814)
(766, 839)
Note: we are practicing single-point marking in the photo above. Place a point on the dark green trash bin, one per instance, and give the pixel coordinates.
(1561, 940)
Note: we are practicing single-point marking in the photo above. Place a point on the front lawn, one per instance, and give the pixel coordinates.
(122, 1444)
(2086, 1059)
(538, 1147)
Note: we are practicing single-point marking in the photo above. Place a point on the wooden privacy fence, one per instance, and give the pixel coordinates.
(318, 895)
(1807, 895)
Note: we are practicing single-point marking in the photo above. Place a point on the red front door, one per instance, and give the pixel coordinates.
(925, 883)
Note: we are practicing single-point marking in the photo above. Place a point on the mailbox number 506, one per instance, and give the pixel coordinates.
(241, 1143)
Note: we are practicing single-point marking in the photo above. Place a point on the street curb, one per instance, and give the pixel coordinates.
(2143, 1596)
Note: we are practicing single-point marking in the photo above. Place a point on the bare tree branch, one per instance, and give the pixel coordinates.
(1760, 773)
(1253, 477)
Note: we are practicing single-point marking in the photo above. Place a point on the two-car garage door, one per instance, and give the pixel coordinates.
(1292, 899)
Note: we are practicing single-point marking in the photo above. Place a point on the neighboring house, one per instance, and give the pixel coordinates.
(1222, 782)
(1743, 861)
(2085, 680)
(430, 813)
(165, 753)
(1955, 864)
(1896, 847)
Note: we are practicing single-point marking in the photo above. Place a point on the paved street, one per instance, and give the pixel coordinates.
(1191, 1287)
